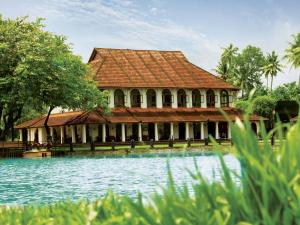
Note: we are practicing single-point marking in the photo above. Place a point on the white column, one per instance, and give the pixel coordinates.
(83, 133)
(123, 132)
(20, 135)
(171, 130)
(229, 130)
(103, 133)
(203, 95)
(202, 130)
(111, 97)
(175, 100)
(189, 98)
(127, 98)
(143, 98)
(187, 130)
(217, 130)
(28, 135)
(40, 134)
(61, 134)
(156, 131)
(51, 132)
(32, 136)
(159, 98)
(257, 128)
(218, 99)
(140, 132)
(73, 134)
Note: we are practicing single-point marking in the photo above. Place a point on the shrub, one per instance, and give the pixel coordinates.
(267, 192)
(264, 106)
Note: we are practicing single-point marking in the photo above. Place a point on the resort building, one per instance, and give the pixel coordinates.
(154, 95)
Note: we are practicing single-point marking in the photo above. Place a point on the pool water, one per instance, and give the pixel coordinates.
(47, 180)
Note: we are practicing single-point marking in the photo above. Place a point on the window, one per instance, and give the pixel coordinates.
(196, 98)
(151, 98)
(167, 98)
(135, 98)
(181, 98)
(210, 98)
(224, 98)
(119, 98)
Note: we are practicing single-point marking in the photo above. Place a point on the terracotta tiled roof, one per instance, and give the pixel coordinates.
(135, 115)
(150, 69)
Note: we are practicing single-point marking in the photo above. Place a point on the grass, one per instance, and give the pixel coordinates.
(268, 193)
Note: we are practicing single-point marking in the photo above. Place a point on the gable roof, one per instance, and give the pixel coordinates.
(117, 68)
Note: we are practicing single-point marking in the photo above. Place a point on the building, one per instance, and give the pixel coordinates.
(152, 95)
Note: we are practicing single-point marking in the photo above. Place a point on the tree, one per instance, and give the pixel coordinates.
(264, 106)
(242, 69)
(293, 52)
(289, 91)
(38, 70)
(226, 62)
(272, 67)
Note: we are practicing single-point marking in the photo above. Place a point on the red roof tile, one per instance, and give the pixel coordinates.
(149, 68)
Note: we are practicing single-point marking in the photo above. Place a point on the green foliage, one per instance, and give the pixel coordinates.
(268, 192)
(243, 68)
(293, 52)
(39, 70)
(289, 91)
(272, 67)
(264, 106)
(242, 105)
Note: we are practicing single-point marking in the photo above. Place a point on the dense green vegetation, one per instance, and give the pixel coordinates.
(267, 193)
(39, 71)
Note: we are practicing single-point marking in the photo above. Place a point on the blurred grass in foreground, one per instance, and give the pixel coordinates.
(268, 192)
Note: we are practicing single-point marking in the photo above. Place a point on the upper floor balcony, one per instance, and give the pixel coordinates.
(171, 98)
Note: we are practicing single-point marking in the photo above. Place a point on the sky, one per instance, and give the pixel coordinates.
(199, 28)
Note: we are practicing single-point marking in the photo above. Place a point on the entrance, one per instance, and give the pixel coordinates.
(118, 132)
(254, 127)
(211, 129)
(24, 135)
(166, 131)
(223, 130)
(181, 131)
(151, 131)
(197, 130)
(135, 131)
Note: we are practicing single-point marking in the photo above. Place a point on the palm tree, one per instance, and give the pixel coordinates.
(272, 67)
(293, 52)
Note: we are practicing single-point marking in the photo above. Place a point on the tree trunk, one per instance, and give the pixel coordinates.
(267, 83)
(271, 82)
(46, 124)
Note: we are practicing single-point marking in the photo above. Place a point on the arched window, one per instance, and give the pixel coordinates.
(196, 98)
(119, 98)
(135, 98)
(151, 98)
(166, 98)
(181, 98)
(210, 98)
(224, 98)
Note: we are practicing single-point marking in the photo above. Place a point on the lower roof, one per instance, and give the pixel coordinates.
(137, 115)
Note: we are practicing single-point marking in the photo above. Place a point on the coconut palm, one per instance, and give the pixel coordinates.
(272, 67)
(293, 52)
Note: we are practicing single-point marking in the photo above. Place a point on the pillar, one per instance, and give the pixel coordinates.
(61, 134)
(20, 135)
(172, 130)
(217, 130)
(189, 98)
(203, 95)
(174, 96)
(229, 130)
(144, 98)
(159, 98)
(187, 130)
(140, 132)
(202, 131)
(51, 132)
(83, 133)
(123, 132)
(257, 128)
(156, 131)
(40, 135)
(111, 97)
(217, 99)
(103, 133)
(127, 99)
(28, 135)
(73, 134)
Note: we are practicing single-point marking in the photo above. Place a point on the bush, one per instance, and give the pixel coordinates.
(268, 192)
(242, 105)
(264, 106)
